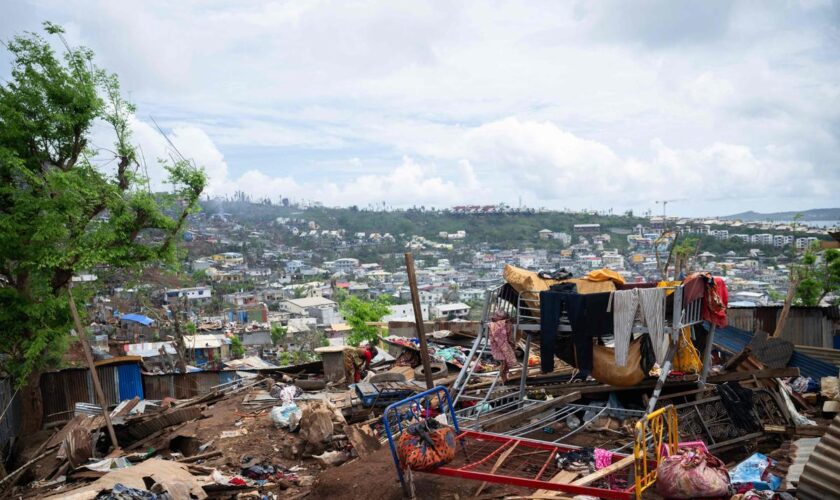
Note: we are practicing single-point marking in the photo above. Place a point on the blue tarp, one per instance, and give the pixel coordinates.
(734, 340)
(137, 318)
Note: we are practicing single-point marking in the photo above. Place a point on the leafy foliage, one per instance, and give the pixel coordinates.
(60, 213)
(237, 349)
(278, 333)
(358, 313)
(819, 275)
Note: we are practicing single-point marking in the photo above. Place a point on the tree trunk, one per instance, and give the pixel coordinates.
(32, 405)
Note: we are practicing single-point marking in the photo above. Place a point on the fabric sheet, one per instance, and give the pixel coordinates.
(625, 304)
(652, 303)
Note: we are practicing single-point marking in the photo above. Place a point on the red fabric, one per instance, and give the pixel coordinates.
(716, 302)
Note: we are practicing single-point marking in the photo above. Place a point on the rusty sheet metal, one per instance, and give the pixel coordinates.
(158, 387)
(138, 430)
(820, 479)
(60, 391)
(109, 379)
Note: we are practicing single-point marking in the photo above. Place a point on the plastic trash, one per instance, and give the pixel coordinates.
(751, 474)
(286, 415)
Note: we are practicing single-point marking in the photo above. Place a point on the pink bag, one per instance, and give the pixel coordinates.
(692, 474)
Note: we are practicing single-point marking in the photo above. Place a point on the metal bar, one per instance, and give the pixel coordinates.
(489, 455)
(707, 357)
(531, 483)
(545, 465)
(523, 377)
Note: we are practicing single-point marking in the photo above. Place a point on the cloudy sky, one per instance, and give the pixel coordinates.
(719, 106)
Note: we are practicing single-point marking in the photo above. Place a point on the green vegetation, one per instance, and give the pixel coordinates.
(60, 214)
(818, 275)
(237, 349)
(359, 313)
(278, 333)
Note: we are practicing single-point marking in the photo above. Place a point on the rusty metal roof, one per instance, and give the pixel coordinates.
(820, 479)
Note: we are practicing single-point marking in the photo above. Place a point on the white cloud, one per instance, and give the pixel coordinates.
(732, 106)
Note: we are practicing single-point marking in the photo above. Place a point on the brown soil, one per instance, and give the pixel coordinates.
(375, 478)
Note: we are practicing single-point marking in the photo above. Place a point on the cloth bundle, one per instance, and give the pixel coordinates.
(426, 445)
(692, 474)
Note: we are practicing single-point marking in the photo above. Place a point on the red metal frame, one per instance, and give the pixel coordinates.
(466, 469)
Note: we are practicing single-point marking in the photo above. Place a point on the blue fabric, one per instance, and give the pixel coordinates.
(137, 318)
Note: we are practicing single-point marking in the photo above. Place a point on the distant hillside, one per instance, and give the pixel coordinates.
(499, 229)
(816, 214)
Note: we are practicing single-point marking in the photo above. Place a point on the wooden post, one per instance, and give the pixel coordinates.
(82, 333)
(418, 319)
(791, 292)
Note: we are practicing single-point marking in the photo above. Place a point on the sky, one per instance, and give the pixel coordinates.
(719, 107)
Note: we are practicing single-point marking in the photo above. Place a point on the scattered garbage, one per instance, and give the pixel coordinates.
(752, 474)
(286, 415)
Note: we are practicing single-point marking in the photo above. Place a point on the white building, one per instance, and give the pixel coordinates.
(405, 312)
(198, 293)
(803, 243)
(452, 311)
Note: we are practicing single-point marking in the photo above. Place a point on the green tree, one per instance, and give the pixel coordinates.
(818, 275)
(278, 333)
(237, 349)
(359, 313)
(61, 213)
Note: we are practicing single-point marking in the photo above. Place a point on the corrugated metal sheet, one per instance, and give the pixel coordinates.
(828, 355)
(110, 382)
(227, 376)
(734, 340)
(811, 326)
(130, 381)
(10, 423)
(820, 478)
(60, 391)
(157, 387)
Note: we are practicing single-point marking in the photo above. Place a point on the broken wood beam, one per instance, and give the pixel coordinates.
(203, 456)
(562, 477)
(606, 471)
(759, 374)
(496, 466)
(738, 359)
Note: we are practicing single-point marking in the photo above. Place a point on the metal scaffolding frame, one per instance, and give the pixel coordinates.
(525, 318)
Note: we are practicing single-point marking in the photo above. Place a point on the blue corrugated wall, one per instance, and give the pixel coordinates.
(130, 380)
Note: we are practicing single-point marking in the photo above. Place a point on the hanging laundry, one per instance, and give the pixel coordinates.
(500, 346)
(652, 302)
(716, 302)
(588, 317)
(625, 304)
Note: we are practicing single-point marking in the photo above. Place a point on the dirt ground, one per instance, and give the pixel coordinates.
(375, 478)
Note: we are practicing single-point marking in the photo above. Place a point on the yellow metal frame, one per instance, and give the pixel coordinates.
(662, 426)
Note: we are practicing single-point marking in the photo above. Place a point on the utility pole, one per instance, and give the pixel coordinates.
(418, 320)
(82, 333)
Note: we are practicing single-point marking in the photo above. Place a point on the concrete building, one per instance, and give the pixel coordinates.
(195, 294)
(451, 311)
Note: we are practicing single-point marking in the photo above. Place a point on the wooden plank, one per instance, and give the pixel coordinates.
(509, 420)
(760, 374)
(564, 477)
(498, 464)
(606, 471)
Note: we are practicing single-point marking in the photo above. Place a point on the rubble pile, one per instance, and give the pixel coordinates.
(227, 443)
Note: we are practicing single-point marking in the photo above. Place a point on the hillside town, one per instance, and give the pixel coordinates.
(400, 250)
